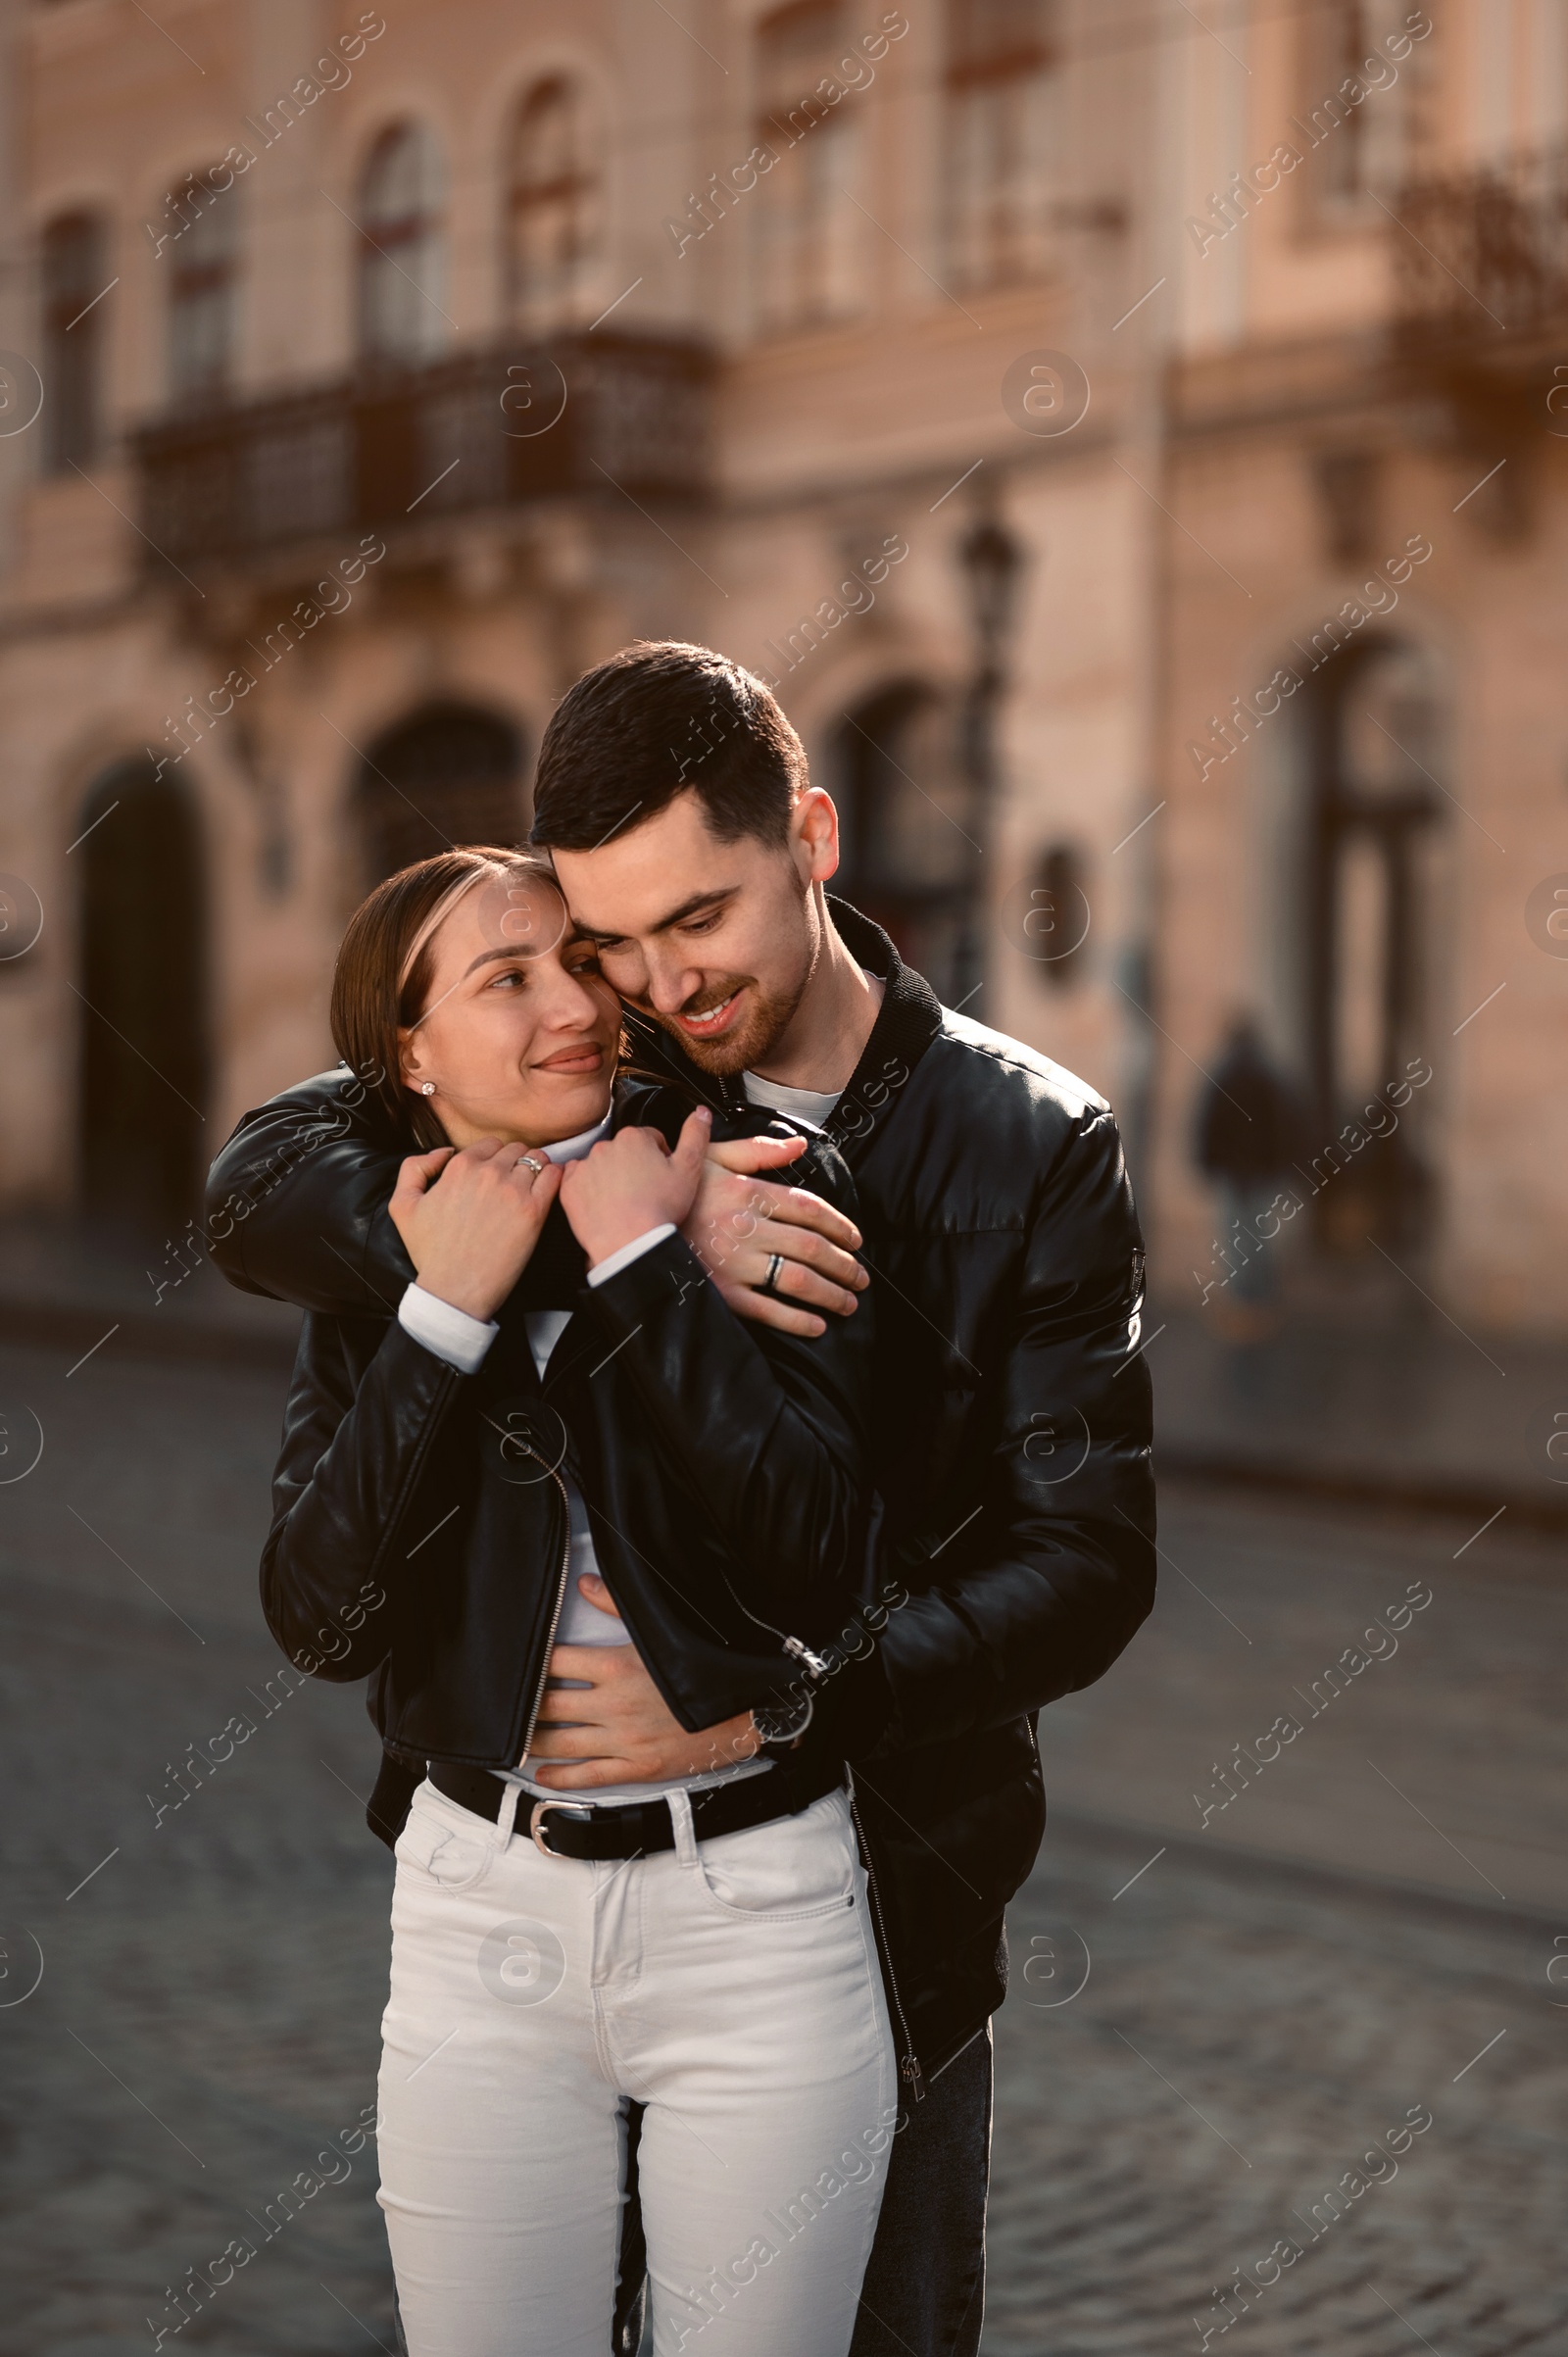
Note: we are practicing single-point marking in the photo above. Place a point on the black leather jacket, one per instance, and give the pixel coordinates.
(420, 1530)
(1010, 1436)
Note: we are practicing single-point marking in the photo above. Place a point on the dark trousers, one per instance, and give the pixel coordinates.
(924, 2291)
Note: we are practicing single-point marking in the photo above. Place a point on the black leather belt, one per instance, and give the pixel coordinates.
(567, 1827)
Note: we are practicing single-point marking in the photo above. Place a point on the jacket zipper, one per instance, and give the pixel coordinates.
(908, 2060)
(796, 1646)
(554, 1617)
(792, 1644)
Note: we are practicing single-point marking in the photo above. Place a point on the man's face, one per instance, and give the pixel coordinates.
(714, 941)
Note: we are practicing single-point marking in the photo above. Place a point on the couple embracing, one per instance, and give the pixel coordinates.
(722, 1362)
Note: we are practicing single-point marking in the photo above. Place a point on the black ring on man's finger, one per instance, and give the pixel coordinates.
(775, 1270)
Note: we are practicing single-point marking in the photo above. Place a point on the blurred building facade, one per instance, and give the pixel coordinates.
(1365, 741)
(1092, 479)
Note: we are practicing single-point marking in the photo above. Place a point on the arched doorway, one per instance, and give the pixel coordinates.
(911, 833)
(449, 774)
(143, 963)
(1372, 723)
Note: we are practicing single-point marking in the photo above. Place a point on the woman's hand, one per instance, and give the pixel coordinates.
(632, 1182)
(470, 1220)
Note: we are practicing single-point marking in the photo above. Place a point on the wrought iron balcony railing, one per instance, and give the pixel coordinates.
(482, 429)
(1483, 255)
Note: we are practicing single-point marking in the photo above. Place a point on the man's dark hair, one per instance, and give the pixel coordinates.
(657, 721)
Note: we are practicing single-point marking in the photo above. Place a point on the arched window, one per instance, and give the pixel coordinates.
(448, 774)
(143, 1072)
(911, 833)
(75, 304)
(202, 252)
(1001, 137)
(403, 249)
(808, 230)
(555, 210)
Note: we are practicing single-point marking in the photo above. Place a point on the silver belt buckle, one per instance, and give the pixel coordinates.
(536, 1826)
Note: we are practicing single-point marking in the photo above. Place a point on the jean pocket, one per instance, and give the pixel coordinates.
(788, 1871)
(444, 1844)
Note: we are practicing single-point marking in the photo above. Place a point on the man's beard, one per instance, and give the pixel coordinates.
(767, 1017)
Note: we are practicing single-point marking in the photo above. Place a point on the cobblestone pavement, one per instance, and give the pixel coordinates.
(1269, 1988)
(1274, 1987)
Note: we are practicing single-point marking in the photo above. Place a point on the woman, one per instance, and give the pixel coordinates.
(466, 1480)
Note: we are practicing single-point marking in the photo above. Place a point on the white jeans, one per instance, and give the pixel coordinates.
(732, 1986)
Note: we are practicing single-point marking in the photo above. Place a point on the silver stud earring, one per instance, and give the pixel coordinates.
(428, 1088)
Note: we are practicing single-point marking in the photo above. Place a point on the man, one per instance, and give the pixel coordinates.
(1247, 1135)
(1011, 1409)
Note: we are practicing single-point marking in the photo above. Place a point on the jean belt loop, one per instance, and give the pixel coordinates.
(507, 1816)
(685, 1832)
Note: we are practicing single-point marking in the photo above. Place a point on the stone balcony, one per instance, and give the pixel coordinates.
(482, 430)
(1480, 321)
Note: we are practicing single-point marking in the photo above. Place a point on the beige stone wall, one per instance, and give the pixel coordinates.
(1493, 613)
(1174, 541)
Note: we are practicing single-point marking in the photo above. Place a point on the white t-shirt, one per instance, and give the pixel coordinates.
(796, 1105)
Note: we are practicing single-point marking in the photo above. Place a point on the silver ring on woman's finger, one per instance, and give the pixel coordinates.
(534, 1163)
(775, 1270)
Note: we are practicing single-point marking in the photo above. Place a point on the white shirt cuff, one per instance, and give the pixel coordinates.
(629, 1253)
(462, 1341)
(445, 1333)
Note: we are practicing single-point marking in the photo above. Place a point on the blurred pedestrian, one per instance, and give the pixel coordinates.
(1246, 1137)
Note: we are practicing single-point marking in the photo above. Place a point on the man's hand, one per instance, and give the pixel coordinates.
(739, 1220)
(469, 1237)
(617, 1727)
(632, 1182)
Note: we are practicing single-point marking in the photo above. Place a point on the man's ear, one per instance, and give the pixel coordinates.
(814, 835)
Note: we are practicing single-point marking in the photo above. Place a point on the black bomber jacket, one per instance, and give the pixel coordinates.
(1007, 1555)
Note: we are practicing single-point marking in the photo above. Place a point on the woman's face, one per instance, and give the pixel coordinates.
(519, 1028)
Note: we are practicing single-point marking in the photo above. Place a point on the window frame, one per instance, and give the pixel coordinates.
(1380, 145)
(809, 241)
(74, 421)
(582, 185)
(384, 245)
(195, 276)
(982, 250)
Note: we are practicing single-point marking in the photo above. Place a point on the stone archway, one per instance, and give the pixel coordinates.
(448, 773)
(912, 832)
(141, 957)
(1371, 725)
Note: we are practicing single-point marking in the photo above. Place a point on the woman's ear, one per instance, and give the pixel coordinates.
(411, 1068)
